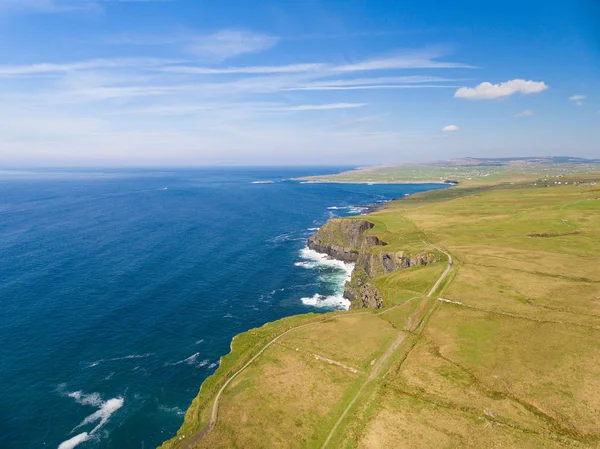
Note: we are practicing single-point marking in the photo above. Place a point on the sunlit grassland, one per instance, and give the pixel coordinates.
(512, 361)
(517, 363)
(478, 173)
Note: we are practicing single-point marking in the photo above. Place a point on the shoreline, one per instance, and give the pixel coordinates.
(311, 181)
(217, 382)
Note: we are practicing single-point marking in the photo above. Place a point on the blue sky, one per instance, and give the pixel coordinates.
(205, 82)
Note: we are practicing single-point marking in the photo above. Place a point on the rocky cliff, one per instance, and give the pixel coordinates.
(348, 240)
(341, 238)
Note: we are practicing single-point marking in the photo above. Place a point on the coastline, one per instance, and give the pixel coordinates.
(243, 346)
(327, 181)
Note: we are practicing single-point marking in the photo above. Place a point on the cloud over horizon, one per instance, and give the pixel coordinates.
(450, 128)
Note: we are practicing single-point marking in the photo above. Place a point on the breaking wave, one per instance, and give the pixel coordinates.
(75, 441)
(127, 357)
(333, 274)
(329, 302)
(356, 210)
(191, 360)
(101, 416)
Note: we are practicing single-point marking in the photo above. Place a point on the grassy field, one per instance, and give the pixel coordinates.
(465, 171)
(505, 354)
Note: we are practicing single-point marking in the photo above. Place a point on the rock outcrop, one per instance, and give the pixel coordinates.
(341, 238)
(368, 296)
(347, 239)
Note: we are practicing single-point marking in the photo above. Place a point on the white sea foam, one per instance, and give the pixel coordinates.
(330, 302)
(350, 209)
(75, 441)
(176, 410)
(331, 271)
(263, 182)
(102, 415)
(313, 259)
(191, 360)
(115, 359)
(290, 236)
(93, 399)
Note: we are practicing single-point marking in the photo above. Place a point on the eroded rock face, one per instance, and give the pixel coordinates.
(341, 238)
(369, 296)
(346, 239)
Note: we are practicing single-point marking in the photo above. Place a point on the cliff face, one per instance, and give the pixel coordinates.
(340, 238)
(346, 239)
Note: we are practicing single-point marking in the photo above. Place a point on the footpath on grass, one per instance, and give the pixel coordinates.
(373, 375)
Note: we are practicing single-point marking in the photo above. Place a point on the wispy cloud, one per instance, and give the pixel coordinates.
(393, 82)
(410, 60)
(114, 106)
(578, 99)
(45, 69)
(524, 113)
(136, 77)
(227, 44)
(489, 91)
(320, 107)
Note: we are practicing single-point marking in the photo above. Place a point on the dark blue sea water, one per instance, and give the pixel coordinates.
(119, 291)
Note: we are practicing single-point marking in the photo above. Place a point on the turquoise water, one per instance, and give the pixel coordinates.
(120, 290)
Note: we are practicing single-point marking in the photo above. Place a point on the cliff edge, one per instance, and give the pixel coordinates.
(351, 240)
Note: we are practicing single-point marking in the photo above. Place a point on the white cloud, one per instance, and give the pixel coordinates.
(227, 44)
(524, 113)
(489, 91)
(450, 128)
(578, 99)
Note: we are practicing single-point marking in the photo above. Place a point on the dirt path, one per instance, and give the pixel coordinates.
(372, 376)
(388, 353)
(215, 407)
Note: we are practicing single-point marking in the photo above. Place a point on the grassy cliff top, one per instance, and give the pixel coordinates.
(504, 353)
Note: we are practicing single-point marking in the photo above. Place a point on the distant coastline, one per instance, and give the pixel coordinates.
(310, 181)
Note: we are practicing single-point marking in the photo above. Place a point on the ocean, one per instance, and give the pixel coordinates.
(121, 289)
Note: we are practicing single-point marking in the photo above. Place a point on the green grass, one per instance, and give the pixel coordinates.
(400, 285)
(467, 174)
(515, 364)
